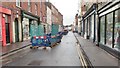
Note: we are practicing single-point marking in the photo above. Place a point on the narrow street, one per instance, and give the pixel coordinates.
(64, 54)
(60, 33)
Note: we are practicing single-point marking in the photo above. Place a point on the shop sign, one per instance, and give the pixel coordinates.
(4, 10)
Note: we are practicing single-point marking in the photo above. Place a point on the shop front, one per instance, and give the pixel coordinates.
(89, 27)
(109, 29)
(5, 29)
(29, 25)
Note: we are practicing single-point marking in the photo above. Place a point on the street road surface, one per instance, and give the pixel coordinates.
(64, 54)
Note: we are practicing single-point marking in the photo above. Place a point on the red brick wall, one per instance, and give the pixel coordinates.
(44, 10)
(57, 16)
(38, 3)
(24, 6)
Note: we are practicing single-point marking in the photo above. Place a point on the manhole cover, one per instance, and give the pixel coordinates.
(35, 62)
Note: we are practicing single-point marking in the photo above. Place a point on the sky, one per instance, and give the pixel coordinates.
(68, 8)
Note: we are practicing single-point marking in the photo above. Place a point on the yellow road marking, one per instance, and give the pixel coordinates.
(82, 59)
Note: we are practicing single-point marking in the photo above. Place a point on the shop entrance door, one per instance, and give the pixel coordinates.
(7, 33)
(16, 31)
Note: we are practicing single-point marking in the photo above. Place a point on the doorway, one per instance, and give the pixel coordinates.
(16, 30)
(7, 33)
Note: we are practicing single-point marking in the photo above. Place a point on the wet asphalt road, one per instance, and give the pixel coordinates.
(64, 54)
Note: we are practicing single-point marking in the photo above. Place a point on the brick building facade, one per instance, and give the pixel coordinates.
(54, 16)
(17, 18)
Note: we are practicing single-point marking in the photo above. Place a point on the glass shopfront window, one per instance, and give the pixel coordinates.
(92, 27)
(89, 25)
(25, 24)
(102, 30)
(109, 29)
(117, 29)
(85, 28)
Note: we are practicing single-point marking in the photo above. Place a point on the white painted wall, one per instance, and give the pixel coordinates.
(49, 16)
(20, 30)
(13, 24)
(49, 20)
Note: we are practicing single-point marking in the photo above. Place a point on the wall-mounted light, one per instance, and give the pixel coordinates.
(17, 14)
(4, 15)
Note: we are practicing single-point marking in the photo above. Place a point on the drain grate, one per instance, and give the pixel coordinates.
(35, 62)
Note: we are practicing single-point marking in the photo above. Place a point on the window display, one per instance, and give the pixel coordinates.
(109, 29)
(102, 30)
(92, 27)
(117, 29)
(25, 28)
(89, 25)
(85, 28)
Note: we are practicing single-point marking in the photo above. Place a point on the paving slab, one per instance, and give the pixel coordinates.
(96, 55)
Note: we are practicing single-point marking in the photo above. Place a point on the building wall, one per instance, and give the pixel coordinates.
(44, 11)
(6, 18)
(56, 16)
(60, 18)
(49, 16)
(49, 19)
(0, 29)
(24, 6)
(38, 4)
(17, 11)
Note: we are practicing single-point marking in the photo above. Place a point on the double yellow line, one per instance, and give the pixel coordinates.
(81, 57)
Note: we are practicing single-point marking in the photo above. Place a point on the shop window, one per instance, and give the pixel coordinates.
(117, 29)
(89, 25)
(102, 30)
(109, 30)
(85, 28)
(25, 24)
(92, 27)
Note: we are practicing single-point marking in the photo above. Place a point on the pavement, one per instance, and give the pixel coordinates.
(14, 47)
(96, 55)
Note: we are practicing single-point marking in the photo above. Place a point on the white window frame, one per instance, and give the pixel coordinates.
(36, 9)
(18, 3)
(29, 6)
